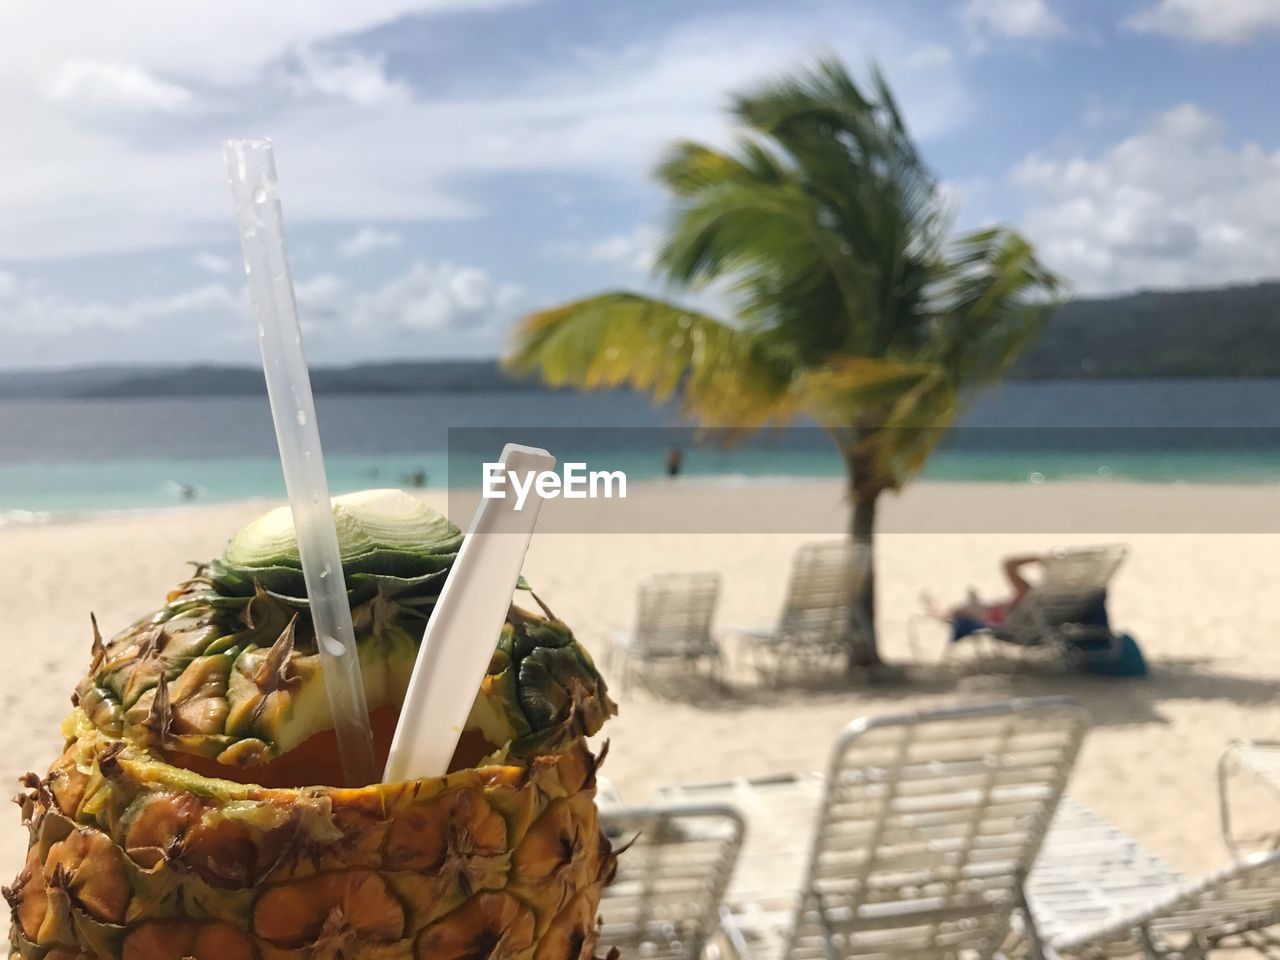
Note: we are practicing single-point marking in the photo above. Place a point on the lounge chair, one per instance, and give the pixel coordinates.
(1063, 614)
(920, 835)
(1261, 760)
(665, 899)
(673, 624)
(818, 619)
(1096, 893)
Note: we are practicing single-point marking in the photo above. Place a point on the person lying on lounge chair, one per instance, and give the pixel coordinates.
(975, 614)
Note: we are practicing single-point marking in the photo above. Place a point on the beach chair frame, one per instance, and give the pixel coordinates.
(664, 901)
(1097, 893)
(819, 621)
(1261, 758)
(674, 619)
(928, 826)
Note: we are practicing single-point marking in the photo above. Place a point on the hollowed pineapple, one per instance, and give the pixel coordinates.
(192, 814)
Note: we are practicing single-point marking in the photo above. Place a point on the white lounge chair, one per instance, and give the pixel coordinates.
(664, 900)
(1063, 613)
(673, 624)
(921, 835)
(1097, 893)
(818, 619)
(1260, 759)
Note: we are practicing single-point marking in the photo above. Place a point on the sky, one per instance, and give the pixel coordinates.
(449, 165)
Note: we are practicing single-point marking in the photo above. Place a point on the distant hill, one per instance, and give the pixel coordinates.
(1226, 332)
(454, 376)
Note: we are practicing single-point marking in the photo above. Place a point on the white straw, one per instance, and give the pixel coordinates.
(465, 626)
(255, 192)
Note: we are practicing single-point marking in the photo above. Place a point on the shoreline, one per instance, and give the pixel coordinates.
(817, 504)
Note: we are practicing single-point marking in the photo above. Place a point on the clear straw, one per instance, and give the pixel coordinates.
(465, 626)
(255, 191)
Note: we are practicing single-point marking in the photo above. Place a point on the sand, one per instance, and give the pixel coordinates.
(1203, 605)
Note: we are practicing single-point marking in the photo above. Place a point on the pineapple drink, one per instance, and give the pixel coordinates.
(191, 816)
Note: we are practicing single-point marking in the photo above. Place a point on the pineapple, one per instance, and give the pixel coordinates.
(194, 812)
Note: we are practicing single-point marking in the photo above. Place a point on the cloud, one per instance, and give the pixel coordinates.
(933, 55)
(427, 297)
(1173, 205)
(434, 297)
(349, 76)
(1209, 21)
(1017, 19)
(52, 315)
(8, 284)
(224, 44)
(117, 85)
(80, 181)
(367, 240)
(635, 249)
(359, 149)
(212, 262)
(320, 297)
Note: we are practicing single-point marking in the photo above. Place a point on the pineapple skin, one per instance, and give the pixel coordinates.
(134, 859)
(141, 850)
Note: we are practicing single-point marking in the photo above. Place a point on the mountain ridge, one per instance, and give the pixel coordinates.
(1222, 332)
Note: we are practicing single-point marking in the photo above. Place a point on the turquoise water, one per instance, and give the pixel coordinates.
(67, 457)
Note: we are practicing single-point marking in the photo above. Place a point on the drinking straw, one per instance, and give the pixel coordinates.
(465, 625)
(255, 192)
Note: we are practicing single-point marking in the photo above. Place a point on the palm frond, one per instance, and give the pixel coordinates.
(755, 224)
(689, 168)
(725, 376)
(990, 299)
(852, 389)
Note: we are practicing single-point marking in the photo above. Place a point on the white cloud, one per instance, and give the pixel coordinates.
(1019, 19)
(1173, 205)
(636, 249)
(349, 76)
(433, 297)
(119, 180)
(320, 297)
(99, 185)
(427, 297)
(1210, 21)
(930, 56)
(8, 284)
(225, 44)
(212, 262)
(367, 240)
(117, 85)
(53, 315)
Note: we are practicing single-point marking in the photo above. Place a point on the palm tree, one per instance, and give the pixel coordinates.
(828, 235)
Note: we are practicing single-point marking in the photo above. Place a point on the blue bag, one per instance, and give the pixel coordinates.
(1129, 663)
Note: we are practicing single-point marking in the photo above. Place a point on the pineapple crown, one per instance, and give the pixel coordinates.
(391, 544)
(228, 669)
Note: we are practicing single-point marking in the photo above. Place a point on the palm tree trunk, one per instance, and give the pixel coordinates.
(863, 494)
(862, 531)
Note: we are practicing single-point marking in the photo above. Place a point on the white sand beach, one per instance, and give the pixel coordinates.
(1201, 604)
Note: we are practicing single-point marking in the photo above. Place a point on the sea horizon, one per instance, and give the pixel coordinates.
(68, 457)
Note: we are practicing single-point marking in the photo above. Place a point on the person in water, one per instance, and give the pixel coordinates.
(975, 614)
(675, 460)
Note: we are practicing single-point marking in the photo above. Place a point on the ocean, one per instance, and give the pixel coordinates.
(61, 458)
